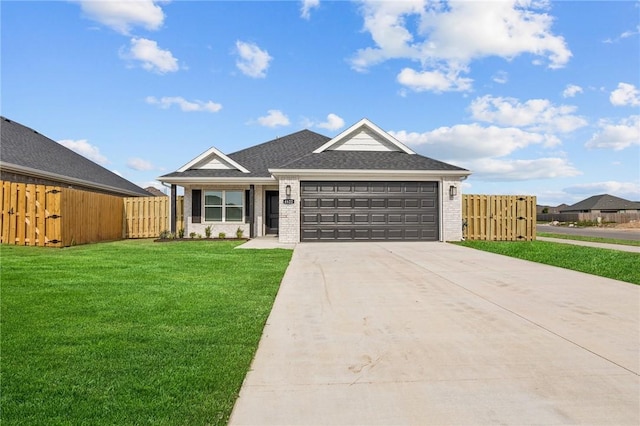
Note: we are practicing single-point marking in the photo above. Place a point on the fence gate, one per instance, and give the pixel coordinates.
(147, 217)
(499, 217)
(30, 214)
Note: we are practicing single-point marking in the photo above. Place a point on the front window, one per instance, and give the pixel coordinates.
(223, 206)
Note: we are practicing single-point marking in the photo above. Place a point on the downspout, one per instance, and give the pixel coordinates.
(174, 204)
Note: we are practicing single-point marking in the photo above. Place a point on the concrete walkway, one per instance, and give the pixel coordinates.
(433, 333)
(619, 247)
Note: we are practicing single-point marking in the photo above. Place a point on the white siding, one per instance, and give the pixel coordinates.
(365, 140)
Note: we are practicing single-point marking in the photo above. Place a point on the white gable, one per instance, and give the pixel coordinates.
(212, 162)
(213, 159)
(363, 139)
(364, 136)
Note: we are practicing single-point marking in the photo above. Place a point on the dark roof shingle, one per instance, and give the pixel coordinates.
(25, 147)
(295, 151)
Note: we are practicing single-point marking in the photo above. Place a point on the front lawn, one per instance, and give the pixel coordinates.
(131, 332)
(614, 264)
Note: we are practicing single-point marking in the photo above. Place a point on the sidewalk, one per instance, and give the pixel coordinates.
(620, 247)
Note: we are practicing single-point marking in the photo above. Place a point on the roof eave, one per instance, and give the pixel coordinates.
(66, 179)
(177, 180)
(368, 173)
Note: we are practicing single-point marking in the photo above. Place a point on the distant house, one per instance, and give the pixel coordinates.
(155, 191)
(27, 156)
(603, 203)
(550, 209)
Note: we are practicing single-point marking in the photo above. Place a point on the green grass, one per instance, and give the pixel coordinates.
(614, 264)
(131, 332)
(590, 239)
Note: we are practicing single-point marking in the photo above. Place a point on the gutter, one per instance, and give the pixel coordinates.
(66, 179)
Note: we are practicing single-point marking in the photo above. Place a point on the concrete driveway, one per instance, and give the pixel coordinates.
(433, 333)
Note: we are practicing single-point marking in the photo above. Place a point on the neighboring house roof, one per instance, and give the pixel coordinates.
(155, 191)
(24, 151)
(602, 202)
(362, 147)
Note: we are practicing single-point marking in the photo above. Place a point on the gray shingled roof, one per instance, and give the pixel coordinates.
(367, 160)
(26, 148)
(602, 202)
(295, 151)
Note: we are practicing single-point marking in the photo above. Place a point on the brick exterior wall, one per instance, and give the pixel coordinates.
(451, 211)
(289, 227)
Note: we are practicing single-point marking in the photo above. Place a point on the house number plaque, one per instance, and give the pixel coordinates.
(288, 201)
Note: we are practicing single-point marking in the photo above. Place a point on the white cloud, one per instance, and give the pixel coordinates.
(152, 57)
(472, 141)
(185, 105)
(534, 114)
(624, 35)
(84, 148)
(571, 90)
(307, 5)
(619, 189)
(501, 77)
(122, 15)
(435, 81)
(491, 169)
(449, 36)
(333, 122)
(252, 60)
(139, 164)
(625, 95)
(617, 136)
(274, 118)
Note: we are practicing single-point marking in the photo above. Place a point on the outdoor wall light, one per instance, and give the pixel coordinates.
(287, 191)
(453, 191)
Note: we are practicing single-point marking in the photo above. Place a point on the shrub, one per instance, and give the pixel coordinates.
(192, 234)
(222, 235)
(181, 233)
(239, 232)
(165, 234)
(207, 231)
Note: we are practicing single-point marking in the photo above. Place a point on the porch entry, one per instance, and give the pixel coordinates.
(272, 217)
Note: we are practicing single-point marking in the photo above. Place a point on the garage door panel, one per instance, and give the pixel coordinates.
(361, 203)
(344, 218)
(427, 203)
(369, 211)
(309, 219)
(344, 203)
(395, 203)
(326, 203)
(309, 203)
(378, 203)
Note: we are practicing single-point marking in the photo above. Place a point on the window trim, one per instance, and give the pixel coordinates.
(223, 206)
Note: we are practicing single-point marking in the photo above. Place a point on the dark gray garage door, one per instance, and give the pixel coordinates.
(369, 211)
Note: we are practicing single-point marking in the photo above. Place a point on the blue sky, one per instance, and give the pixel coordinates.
(533, 96)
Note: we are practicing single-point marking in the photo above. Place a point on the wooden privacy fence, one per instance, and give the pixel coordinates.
(51, 216)
(39, 215)
(147, 217)
(499, 217)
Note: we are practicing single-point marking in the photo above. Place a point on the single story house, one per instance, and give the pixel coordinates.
(26, 156)
(362, 184)
(604, 203)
